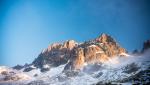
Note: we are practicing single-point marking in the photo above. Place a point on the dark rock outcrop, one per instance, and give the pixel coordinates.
(146, 45)
(18, 67)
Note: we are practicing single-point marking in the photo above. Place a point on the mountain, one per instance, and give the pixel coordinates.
(76, 55)
(98, 61)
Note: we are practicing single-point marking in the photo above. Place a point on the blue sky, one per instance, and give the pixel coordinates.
(28, 26)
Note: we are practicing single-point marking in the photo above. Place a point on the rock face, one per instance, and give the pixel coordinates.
(55, 55)
(98, 50)
(76, 55)
(78, 60)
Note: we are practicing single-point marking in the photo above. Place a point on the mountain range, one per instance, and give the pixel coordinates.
(95, 62)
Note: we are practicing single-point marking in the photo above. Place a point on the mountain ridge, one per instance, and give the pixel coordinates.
(98, 50)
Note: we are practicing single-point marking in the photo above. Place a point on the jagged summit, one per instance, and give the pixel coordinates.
(103, 35)
(67, 44)
(104, 38)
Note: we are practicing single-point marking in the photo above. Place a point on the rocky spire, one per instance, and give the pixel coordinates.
(104, 38)
(69, 44)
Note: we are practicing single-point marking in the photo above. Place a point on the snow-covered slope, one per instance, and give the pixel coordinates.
(104, 73)
(9, 75)
(125, 68)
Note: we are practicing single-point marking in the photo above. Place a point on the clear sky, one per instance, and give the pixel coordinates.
(28, 26)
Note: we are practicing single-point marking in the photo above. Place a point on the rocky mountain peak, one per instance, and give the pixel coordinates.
(104, 38)
(70, 44)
